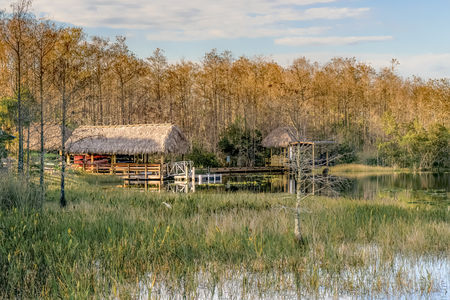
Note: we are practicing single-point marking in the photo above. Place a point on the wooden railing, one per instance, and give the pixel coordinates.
(277, 161)
(128, 171)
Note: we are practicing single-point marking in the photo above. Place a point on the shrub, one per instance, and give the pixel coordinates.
(202, 158)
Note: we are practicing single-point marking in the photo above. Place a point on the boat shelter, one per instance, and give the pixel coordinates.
(126, 149)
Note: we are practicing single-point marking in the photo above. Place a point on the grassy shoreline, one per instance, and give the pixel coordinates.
(346, 169)
(107, 241)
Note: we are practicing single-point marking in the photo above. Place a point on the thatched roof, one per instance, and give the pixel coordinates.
(52, 136)
(288, 135)
(128, 139)
(282, 137)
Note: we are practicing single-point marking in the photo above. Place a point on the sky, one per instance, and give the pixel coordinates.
(374, 31)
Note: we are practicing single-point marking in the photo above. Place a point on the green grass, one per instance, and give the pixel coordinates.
(99, 179)
(357, 168)
(17, 193)
(106, 241)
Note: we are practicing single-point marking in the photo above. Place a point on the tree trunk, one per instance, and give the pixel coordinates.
(41, 167)
(297, 229)
(19, 108)
(62, 200)
(28, 155)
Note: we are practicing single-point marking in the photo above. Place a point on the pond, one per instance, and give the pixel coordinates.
(363, 186)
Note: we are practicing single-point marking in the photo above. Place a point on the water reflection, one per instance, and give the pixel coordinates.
(363, 186)
(367, 187)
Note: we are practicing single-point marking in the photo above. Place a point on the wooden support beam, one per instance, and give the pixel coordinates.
(193, 179)
(128, 165)
(161, 178)
(313, 165)
(145, 177)
(186, 170)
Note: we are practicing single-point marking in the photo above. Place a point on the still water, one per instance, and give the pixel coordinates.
(364, 186)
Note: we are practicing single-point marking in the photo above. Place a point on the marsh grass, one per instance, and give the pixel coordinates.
(117, 242)
(99, 179)
(358, 168)
(17, 192)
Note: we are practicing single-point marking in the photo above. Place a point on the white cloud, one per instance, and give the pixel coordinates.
(430, 65)
(196, 19)
(330, 41)
(201, 34)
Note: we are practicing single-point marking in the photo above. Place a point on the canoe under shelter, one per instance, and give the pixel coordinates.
(126, 150)
(285, 138)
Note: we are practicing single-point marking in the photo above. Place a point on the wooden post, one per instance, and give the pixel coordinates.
(313, 165)
(128, 165)
(145, 177)
(270, 162)
(68, 159)
(161, 170)
(160, 174)
(327, 157)
(186, 171)
(92, 163)
(193, 179)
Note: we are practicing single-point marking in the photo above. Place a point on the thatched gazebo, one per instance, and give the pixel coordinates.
(52, 136)
(132, 140)
(286, 137)
(282, 137)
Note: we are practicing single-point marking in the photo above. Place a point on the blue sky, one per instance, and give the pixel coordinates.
(374, 31)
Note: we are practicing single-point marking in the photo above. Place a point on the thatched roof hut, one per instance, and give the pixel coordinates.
(128, 139)
(52, 136)
(282, 137)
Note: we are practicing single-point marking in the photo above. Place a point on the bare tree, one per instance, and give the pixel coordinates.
(69, 77)
(45, 35)
(14, 32)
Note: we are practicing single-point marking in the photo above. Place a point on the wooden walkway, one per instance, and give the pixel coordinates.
(243, 170)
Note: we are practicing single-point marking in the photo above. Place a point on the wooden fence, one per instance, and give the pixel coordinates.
(130, 172)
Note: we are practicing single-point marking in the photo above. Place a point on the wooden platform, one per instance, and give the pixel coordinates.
(243, 170)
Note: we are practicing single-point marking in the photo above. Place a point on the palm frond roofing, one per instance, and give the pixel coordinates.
(282, 137)
(128, 139)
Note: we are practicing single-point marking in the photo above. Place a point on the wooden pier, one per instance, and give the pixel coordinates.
(244, 170)
(131, 172)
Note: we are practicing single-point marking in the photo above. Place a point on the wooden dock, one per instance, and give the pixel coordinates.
(245, 170)
(132, 173)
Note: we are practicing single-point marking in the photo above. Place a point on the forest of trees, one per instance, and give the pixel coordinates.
(48, 72)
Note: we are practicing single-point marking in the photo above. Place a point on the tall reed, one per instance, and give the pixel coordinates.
(18, 192)
(110, 242)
